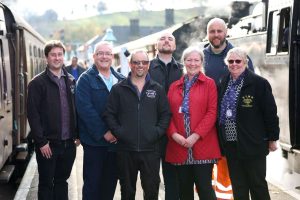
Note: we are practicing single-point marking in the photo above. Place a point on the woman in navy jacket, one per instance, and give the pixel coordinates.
(248, 126)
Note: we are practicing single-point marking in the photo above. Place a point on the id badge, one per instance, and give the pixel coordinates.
(229, 113)
(180, 110)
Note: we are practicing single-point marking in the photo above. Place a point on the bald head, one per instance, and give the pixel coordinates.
(216, 34)
(166, 43)
(216, 21)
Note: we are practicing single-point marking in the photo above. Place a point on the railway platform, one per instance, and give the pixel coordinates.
(282, 184)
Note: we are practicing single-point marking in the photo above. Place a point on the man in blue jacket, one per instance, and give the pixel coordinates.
(216, 51)
(75, 69)
(92, 90)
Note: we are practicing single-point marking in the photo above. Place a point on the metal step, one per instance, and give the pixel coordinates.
(6, 173)
(22, 147)
(22, 156)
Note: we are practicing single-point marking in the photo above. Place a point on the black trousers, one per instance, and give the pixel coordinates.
(201, 176)
(247, 175)
(147, 163)
(54, 172)
(170, 180)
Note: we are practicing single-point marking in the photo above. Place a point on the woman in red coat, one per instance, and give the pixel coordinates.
(193, 144)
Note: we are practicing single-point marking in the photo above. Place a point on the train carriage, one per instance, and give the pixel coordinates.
(21, 57)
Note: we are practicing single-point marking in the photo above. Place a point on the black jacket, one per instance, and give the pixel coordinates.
(165, 75)
(137, 122)
(256, 119)
(43, 108)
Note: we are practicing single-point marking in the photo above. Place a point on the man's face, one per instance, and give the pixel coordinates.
(139, 65)
(216, 34)
(74, 62)
(103, 56)
(55, 58)
(166, 44)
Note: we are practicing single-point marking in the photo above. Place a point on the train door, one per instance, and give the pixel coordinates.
(5, 107)
(294, 83)
(277, 66)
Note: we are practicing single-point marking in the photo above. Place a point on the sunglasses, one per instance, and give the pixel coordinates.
(144, 62)
(236, 61)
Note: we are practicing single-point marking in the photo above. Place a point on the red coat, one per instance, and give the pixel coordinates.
(203, 114)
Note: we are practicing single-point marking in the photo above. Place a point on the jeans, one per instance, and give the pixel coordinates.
(54, 172)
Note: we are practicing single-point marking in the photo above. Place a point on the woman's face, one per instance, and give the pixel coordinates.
(236, 65)
(193, 64)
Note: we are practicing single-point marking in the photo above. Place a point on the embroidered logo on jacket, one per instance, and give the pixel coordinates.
(151, 93)
(247, 101)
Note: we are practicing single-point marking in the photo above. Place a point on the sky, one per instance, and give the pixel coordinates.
(74, 9)
(70, 9)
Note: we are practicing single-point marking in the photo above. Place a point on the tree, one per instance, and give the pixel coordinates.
(50, 16)
(101, 7)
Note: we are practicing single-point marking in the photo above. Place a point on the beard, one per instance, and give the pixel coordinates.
(167, 50)
(216, 46)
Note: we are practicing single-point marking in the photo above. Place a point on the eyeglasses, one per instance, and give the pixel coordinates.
(101, 53)
(144, 62)
(236, 61)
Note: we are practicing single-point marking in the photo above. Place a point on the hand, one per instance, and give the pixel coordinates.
(179, 139)
(191, 140)
(46, 151)
(272, 145)
(109, 137)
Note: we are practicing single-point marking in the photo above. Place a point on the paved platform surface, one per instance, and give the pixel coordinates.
(282, 184)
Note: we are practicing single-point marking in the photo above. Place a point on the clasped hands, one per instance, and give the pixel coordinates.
(109, 137)
(186, 142)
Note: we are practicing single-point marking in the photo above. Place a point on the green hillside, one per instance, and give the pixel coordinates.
(84, 29)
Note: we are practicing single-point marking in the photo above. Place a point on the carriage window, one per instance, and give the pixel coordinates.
(3, 78)
(273, 32)
(34, 51)
(30, 50)
(284, 30)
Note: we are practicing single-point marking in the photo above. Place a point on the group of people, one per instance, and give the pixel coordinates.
(157, 114)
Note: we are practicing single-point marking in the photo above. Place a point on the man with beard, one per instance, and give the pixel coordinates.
(164, 69)
(215, 68)
(138, 115)
(217, 49)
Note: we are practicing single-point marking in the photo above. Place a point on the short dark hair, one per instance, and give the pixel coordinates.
(52, 44)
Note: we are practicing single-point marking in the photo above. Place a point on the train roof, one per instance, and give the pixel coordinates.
(147, 40)
(23, 24)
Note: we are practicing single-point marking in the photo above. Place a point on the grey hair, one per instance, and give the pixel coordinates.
(101, 43)
(239, 52)
(191, 49)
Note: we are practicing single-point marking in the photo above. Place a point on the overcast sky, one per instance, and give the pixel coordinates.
(73, 9)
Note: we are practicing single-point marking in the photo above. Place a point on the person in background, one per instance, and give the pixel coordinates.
(52, 119)
(138, 115)
(193, 146)
(99, 162)
(164, 69)
(215, 68)
(249, 126)
(75, 69)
